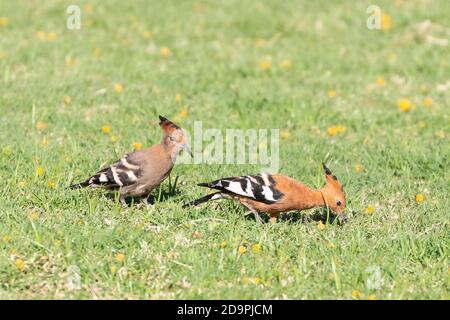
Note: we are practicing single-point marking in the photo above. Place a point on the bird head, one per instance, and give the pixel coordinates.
(333, 194)
(174, 138)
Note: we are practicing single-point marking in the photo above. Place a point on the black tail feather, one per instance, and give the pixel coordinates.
(79, 185)
(212, 196)
(204, 184)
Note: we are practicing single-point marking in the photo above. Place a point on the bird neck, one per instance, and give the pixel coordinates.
(308, 198)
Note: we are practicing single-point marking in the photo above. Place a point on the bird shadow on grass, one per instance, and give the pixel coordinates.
(302, 217)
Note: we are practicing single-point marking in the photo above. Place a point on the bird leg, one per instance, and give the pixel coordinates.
(149, 201)
(255, 213)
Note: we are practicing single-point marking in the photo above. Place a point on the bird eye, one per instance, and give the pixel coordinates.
(338, 203)
(171, 138)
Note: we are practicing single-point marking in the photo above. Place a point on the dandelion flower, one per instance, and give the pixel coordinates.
(114, 138)
(420, 198)
(113, 269)
(404, 104)
(427, 102)
(6, 238)
(41, 125)
(332, 131)
(381, 82)
(359, 167)
(285, 134)
(34, 215)
(88, 8)
(51, 36)
(50, 183)
(242, 250)
(184, 112)
(178, 97)
(372, 297)
(41, 35)
(120, 257)
(286, 64)
(440, 134)
(331, 245)
(386, 22)
(40, 171)
(137, 146)
(67, 99)
(331, 93)
(44, 142)
(223, 244)
(165, 52)
(356, 294)
(146, 34)
(4, 21)
(70, 62)
(256, 248)
(118, 87)
(370, 209)
(22, 184)
(20, 264)
(321, 226)
(106, 129)
(265, 64)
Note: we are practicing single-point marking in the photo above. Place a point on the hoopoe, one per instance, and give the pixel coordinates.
(275, 193)
(138, 173)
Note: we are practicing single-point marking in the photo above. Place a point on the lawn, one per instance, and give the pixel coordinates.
(372, 104)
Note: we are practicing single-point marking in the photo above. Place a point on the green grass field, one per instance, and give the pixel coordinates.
(310, 68)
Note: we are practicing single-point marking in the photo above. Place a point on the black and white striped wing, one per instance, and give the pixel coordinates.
(122, 173)
(260, 187)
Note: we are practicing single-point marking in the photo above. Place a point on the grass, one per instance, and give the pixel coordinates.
(216, 50)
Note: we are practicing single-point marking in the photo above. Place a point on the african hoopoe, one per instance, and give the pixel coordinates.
(275, 193)
(138, 173)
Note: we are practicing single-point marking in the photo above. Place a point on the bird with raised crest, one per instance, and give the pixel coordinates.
(275, 193)
(136, 174)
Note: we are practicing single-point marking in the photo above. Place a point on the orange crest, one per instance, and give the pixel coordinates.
(167, 126)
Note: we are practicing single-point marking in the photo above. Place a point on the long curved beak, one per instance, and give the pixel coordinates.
(188, 150)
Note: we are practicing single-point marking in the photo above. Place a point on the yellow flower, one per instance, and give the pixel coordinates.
(50, 183)
(41, 35)
(331, 93)
(88, 8)
(113, 269)
(223, 244)
(178, 97)
(370, 209)
(146, 34)
(286, 64)
(137, 146)
(285, 134)
(386, 22)
(51, 36)
(165, 52)
(332, 131)
(22, 184)
(331, 245)
(184, 112)
(96, 52)
(114, 138)
(256, 248)
(120, 257)
(4, 21)
(118, 87)
(44, 142)
(70, 62)
(321, 226)
(106, 129)
(404, 104)
(6, 238)
(67, 99)
(34, 215)
(40, 171)
(41, 125)
(380, 81)
(251, 280)
(359, 167)
(372, 297)
(356, 294)
(242, 250)
(420, 197)
(265, 64)
(427, 102)
(440, 134)
(20, 264)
